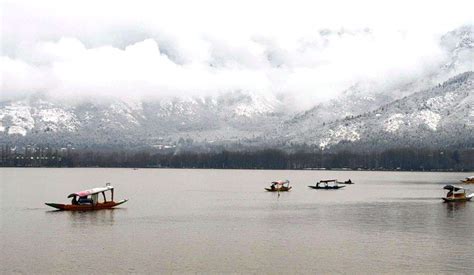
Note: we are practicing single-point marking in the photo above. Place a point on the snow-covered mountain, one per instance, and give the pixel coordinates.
(226, 117)
(369, 95)
(436, 110)
(442, 116)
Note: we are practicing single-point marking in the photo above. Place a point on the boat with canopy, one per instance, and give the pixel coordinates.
(279, 186)
(456, 194)
(468, 180)
(327, 185)
(92, 199)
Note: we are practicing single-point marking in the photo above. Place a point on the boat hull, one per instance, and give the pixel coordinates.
(467, 181)
(457, 199)
(283, 189)
(86, 207)
(326, 187)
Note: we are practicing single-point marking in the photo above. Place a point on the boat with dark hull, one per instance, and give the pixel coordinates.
(327, 185)
(89, 200)
(349, 181)
(456, 194)
(279, 186)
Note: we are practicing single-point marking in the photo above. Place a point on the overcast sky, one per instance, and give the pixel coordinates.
(305, 49)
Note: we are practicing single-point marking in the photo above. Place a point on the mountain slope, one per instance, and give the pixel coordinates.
(368, 114)
(225, 117)
(440, 117)
(369, 95)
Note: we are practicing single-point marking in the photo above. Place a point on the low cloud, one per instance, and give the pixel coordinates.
(177, 52)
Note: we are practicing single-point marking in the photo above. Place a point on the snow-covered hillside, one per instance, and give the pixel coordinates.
(441, 116)
(226, 117)
(418, 111)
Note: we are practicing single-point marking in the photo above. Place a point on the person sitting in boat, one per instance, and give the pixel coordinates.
(74, 201)
(84, 200)
(349, 181)
(273, 186)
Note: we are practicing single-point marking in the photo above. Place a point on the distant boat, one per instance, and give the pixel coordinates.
(327, 185)
(279, 186)
(89, 200)
(349, 181)
(456, 194)
(468, 180)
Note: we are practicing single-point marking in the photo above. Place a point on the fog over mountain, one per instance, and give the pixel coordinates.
(241, 74)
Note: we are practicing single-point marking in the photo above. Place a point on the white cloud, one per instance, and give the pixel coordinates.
(309, 49)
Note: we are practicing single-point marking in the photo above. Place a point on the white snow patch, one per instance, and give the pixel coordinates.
(127, 110)
(20, 118)
(56, 118)
(259, 104)
(430, 118)
(440, 102)
(18, 130)
(175, 107)
(340, 134)
(368, 98)
(393, 123)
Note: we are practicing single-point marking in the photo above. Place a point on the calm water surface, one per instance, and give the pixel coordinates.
(223, 221)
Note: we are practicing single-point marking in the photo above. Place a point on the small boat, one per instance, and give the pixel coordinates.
(456, 194)
(89, 200)
(468, 180)
(347, 182)
(327, 185)
(279, 186)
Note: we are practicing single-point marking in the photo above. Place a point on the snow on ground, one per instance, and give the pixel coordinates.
(393, 123)
(340, 134)
(258, 104)
(440, 102)
(430, 118)
(55, 118)
(20, 119)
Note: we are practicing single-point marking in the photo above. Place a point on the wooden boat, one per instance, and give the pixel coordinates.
(347, 182)
(327, 185)
(468, 180)
(456, 194)
(279, 186)
(89, 200)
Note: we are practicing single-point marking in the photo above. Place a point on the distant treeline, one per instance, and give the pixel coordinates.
(393, 159)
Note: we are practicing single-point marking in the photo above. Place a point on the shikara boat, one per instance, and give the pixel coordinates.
(468, 180)
(456, 194)
(327, 185)
(89, 200)
(279, 186)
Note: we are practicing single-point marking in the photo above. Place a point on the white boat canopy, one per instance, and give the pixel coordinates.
(91, 191)
(281, 182)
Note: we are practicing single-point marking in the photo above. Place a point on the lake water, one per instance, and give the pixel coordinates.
(222, 221)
